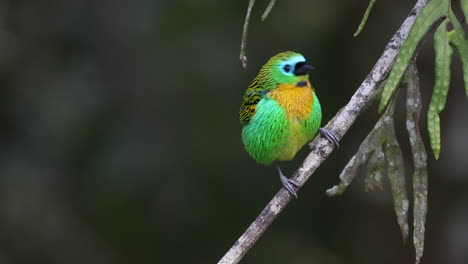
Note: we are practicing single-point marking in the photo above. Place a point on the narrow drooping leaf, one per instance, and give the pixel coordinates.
(395, 170)
(365, 149)
(375, 170)
(413, 112)
(443, 59)
(372, 143)
(431, 13)
(346, 176)
(364, 18)
(457, 37)
(243, 56)
(268, 9)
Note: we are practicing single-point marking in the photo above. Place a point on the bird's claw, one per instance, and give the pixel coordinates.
(328, 134)
(288, 184)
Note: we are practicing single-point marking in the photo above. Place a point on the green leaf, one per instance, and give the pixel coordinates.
(458, 38)
(413, 112)
(431, 13)
(443, 58)
(464, 7)
(364, 18)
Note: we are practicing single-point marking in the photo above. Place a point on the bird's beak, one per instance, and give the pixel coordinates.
(303, 69)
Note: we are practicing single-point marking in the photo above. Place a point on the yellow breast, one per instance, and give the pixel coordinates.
(295, 100)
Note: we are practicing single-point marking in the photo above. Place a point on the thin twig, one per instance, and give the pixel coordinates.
(268, 10)
(321, 148)
(243, 56)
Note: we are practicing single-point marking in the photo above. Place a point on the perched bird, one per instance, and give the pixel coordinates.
(280, 112)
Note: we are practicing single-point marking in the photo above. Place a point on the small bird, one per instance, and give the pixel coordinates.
(280, 113)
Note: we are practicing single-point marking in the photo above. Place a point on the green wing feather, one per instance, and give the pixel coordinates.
(252, 96)
(249, 105)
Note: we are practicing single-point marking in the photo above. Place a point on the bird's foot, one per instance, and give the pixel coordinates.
(288, 184)
(328, 134)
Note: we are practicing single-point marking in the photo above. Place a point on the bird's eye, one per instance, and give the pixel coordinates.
(287, 68)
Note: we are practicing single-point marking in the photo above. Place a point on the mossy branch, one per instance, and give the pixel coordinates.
(320, 147)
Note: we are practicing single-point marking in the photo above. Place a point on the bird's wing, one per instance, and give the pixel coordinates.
(251, 98)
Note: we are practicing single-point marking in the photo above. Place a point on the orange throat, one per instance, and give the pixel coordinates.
(295, 100)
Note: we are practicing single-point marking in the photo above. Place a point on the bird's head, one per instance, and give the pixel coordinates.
(287, 67)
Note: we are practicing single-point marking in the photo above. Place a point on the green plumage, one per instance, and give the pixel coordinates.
(280, 112)
(270, 136)
(269, 78)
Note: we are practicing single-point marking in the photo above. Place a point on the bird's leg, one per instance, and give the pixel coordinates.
(328, 134)
(287, 183)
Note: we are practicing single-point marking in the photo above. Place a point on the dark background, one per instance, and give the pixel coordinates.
(120, 140)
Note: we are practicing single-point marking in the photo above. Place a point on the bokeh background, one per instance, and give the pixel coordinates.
(120, 140)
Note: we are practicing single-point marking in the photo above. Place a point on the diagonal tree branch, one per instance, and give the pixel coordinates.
(320, 147)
